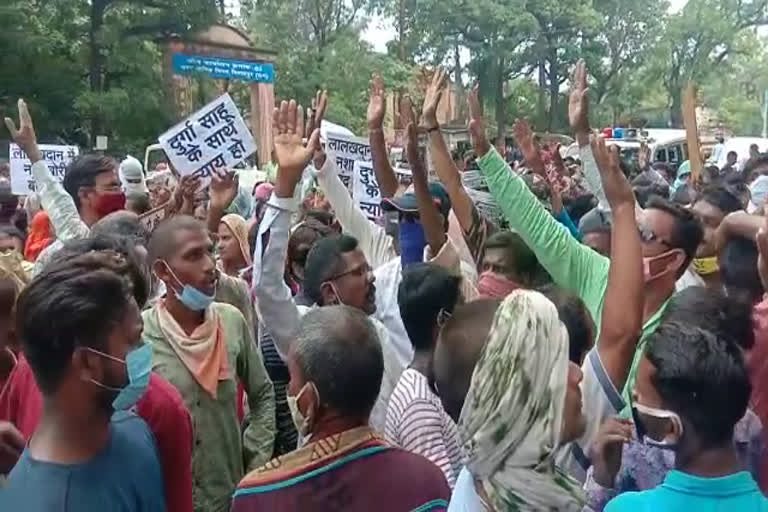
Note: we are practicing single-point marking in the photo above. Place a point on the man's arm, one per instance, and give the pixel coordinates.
(259, 436)
(571, 265)
(223, 190)
(377, 108)
(622, 318)
(373, 240)
(446, 170)
(53, 198)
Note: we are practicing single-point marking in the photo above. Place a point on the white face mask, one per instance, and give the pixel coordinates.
(300, 421)
(671, 440)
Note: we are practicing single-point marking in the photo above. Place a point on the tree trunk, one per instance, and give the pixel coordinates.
(676, 109)
(554, 86)
(540, 113)
(501, 107)
(401, 28)
(96, 59)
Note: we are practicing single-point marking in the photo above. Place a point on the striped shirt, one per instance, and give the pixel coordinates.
(417, 422)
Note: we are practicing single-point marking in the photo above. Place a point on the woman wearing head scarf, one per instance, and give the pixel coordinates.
(523, 403)
(40, 236)
(234, 255)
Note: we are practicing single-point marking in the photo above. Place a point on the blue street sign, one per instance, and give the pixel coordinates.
(217, 67)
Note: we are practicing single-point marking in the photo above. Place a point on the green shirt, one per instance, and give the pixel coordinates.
(574, 266)
(221, 455)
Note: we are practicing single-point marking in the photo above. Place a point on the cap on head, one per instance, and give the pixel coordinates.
(407, 203)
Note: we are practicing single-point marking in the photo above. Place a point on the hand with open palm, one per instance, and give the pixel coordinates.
(291, 155)
(432, 99)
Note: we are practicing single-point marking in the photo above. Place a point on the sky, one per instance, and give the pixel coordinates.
(381, 30)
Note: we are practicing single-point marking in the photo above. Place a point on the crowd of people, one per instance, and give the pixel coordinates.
(595, 344)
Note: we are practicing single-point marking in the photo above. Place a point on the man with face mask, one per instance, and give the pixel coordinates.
(336, 368)
(94, 364)
(203, 348)
(692, 388)
(669, 234)
(336, 271)
(90, 190)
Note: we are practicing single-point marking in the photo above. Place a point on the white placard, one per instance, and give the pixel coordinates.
(347, 150)
(153, 217)
(56, 156)
(365, 189)
(213, 137)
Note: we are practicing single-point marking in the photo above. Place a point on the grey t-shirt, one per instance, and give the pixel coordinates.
(124, 477)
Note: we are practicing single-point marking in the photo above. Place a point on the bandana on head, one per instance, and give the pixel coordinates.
(511, 420)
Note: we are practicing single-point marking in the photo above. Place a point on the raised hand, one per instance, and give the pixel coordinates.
(25, 136)
(291, 155)
(617, 189)
(316, 114)
(477, 124)
(432, 99)
(407, 113)
(223, 189)
(606, 452)
(418, 169)
(524, 138)
(578, 103)
(377, 107)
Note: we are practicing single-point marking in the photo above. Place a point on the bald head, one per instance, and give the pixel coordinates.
(339, 351)
(164, 242)
(458, 348)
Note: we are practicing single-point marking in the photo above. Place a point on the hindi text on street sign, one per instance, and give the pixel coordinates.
(229, 69)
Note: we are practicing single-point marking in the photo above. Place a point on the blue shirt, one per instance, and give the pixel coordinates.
(680, 491)
(124, 477)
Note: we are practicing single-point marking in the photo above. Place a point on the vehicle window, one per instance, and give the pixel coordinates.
(661, 155)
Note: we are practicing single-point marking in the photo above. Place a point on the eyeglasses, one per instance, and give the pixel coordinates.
(359, 271)
(647, 235)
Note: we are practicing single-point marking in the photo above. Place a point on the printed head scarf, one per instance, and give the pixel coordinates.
(40, 236)
(511, 420)
(239, 228)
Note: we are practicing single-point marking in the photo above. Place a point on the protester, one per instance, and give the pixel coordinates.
(12, 240)
(523, 402)
(90, 191)
(161, 406)
(96, 364)
(40, 236)
(692, 389)
(416, 420)
(507, 264)
(730, 164)
(202, 347)
(234, 256)
(13, 279)
(336, 367)
(138, 202)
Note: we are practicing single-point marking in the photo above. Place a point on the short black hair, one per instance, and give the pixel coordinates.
(303, 238)
(83, 171)
(125, 260)
(711, 310)
(579, 206)
(526, 263)
(163, 242)
(576, 318)
(702, 377)
(721, 198)
(325, 261)
(123, 224)
(732, 153)
(75, 303)
(738, 269)
(425, 290)
(644, 192)
(687, 234)
(13, 232)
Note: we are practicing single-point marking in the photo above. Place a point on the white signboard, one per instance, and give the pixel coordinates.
(348, 150)
(211, 138)
(57, 157)
(365, 188)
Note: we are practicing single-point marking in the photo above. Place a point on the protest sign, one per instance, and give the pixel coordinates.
(56, 156)
(365, 188)
(153, 217)
(211, 138)
(347, 150)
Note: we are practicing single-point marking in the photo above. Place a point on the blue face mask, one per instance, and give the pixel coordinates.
(412, 242)
(191, 297)
(138, 366)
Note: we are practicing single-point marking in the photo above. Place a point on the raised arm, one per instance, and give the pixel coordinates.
(623, 306)
(446, 170)
(571, 265)
(276, 308)
(53, 198)
(377, 108)
(223, 190)
(738, 224)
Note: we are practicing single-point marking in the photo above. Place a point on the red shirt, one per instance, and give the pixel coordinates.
(757, 363)
(161, 407)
